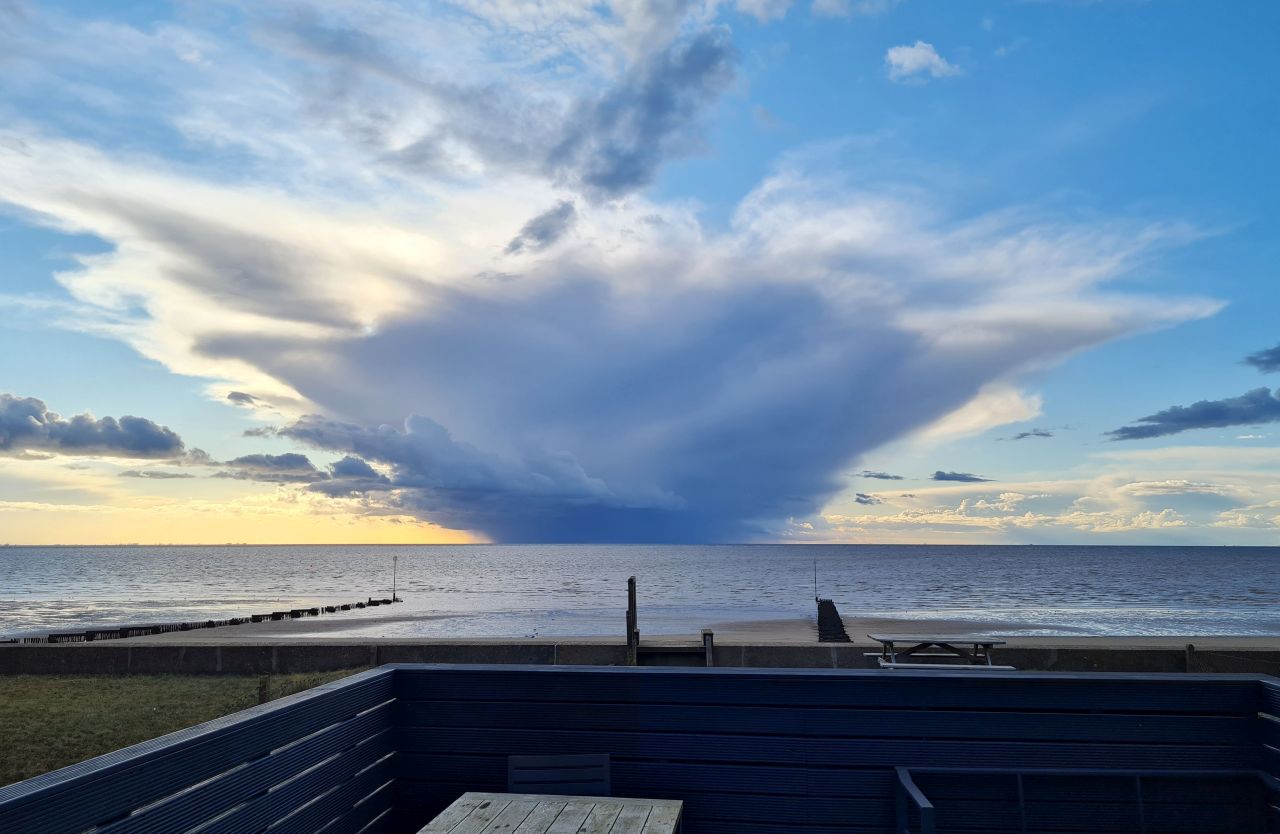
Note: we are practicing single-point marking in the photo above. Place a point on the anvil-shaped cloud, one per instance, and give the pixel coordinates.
(696, 387)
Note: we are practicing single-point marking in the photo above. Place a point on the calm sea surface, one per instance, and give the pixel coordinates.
(541, 590)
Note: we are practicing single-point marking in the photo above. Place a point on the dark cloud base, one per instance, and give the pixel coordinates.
(545, 229)
(880, 476)
(962, 477)
(1267, 361)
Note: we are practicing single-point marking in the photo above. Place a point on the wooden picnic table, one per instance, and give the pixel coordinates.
(519, 813)
(942, 645)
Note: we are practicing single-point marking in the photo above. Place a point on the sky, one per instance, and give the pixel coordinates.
(670, 271)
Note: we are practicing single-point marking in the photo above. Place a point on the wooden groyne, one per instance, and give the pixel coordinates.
(93, 635)
(830, 624)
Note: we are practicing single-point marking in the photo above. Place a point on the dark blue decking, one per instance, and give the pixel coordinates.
(749, 751)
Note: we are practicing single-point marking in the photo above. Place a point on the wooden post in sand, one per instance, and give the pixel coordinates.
(633, 626)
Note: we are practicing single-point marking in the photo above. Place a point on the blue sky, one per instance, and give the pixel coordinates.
(638, 271)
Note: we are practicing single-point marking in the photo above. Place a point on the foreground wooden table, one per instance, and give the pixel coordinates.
(520, 813)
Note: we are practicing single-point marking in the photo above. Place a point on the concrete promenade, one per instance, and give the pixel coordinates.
(182, 653)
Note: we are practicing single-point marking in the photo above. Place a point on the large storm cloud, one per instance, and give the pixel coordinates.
(702, 393)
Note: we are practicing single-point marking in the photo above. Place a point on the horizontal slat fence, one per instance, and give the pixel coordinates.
(1269, 738)
(749, 751)
(324, 757)
(755, 751)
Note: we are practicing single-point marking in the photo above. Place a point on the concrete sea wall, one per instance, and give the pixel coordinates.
(206, 657)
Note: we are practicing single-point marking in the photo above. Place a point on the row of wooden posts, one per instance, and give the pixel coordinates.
(92, 635)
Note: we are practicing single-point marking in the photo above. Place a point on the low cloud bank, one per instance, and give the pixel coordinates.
(154, 474)
(27, 425)
(289, 467)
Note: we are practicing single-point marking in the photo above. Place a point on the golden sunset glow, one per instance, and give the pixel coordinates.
(245, 521)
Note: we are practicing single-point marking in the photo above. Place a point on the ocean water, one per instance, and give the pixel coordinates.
(546, 590)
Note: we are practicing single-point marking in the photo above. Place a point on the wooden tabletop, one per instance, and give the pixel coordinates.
(519, 813)
(980, 639)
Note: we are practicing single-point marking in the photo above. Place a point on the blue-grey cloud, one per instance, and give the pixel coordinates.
(1267, 361)
(27, 425)
(1023, 435)
(286, 468)
(614, 144)
(545, 229)
(864, 498)
(352, 476)
(880, 476)
(352, 467)
(154, 474)
(606, 143)
(963, 477)
(1250, 409)
(241, 398)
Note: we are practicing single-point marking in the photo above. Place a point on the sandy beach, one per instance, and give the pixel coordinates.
(797, 631)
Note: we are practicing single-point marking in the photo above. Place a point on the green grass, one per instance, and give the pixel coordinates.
(51, 721)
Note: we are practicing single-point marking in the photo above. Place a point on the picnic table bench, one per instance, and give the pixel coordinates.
(898, 651)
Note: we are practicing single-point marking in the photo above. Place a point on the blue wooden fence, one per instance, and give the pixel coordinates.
(331, 747)
(750, 751)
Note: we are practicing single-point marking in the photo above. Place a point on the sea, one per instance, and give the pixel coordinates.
(580, 590)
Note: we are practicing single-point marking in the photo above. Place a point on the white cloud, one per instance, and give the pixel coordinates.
(1012, 46)
(851, 8)
(995, 405)
(1200, 502)
(1174, 486)
(764, 10)
(916, 61)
